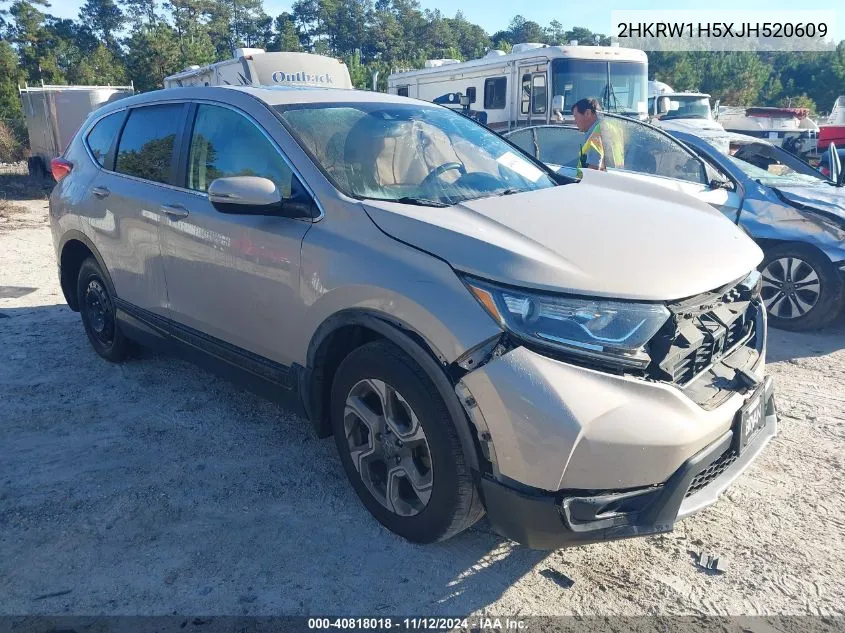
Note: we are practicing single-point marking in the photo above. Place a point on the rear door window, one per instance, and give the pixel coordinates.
(101, 137)
(146, 145)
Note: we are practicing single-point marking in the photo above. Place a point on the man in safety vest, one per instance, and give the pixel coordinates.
(603, 143)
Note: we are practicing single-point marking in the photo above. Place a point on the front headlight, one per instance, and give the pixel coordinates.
(616, 331)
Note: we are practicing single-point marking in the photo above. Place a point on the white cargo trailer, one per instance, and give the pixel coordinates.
(54, 114)
(255, 67)
(510, 90)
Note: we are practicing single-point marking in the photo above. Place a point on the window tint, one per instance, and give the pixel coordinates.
(538, 94)
(494, 93)
(225, 143)
(471, 94)
(402, 91)
(647, 151)
(559, 145)
(146, 145)
(524, 140)
(101, 136)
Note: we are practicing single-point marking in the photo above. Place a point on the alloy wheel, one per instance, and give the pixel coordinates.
(791, 287)
(388, 447)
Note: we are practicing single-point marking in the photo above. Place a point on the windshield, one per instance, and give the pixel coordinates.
(619, 86)
(409, 153)
(771, 179)
(687, 108)
(773, 166)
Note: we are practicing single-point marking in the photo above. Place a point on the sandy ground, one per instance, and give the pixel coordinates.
(154, 487)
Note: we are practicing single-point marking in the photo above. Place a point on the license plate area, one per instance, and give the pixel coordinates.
(752, 419)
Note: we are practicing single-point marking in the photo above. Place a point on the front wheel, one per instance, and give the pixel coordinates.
(399, 446)
(801, 288)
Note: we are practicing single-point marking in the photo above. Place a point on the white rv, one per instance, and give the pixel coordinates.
(255, 67)
(510, 90)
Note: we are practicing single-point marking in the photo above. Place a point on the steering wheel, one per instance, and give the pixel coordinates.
(438, 171)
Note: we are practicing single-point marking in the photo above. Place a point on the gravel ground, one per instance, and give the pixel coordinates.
(154, 487)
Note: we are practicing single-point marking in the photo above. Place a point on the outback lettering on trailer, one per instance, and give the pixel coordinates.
(301, 77)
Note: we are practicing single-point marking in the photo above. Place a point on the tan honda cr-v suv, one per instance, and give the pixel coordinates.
(582, 360)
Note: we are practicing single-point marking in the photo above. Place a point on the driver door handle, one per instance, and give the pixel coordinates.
(174, 211)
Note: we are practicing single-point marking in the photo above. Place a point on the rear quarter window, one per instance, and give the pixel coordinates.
(100, 138)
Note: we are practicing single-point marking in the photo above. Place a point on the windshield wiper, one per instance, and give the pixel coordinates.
(420, 202)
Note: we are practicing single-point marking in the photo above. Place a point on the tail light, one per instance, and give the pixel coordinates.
(60, 168)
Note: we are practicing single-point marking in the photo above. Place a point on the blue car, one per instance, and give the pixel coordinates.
(794, 213)
(797, 216)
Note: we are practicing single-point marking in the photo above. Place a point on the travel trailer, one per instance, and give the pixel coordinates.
(684, 112)
(790, 128)
(54, 114)
(505, 91)
(834, 130)
(255, 67)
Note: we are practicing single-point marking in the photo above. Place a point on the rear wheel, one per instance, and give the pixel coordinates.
(36, 167)
(96, 307)
(399, 447)
(801, 288)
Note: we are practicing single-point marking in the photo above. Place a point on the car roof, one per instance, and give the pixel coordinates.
(271, 95)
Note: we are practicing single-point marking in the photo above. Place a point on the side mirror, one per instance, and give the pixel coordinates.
(718, 183)
(835, 164)
(252, 195)
(557, 105)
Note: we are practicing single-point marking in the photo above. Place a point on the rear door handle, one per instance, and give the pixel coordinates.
(174, 211)
(100, 192)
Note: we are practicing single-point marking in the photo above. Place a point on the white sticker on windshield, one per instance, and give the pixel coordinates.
(520, 166)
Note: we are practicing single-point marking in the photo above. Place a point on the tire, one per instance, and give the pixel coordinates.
(444, 500)
(35, 167)
(96, 307)
(802, 289)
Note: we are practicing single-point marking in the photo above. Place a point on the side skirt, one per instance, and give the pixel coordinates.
(264, 377)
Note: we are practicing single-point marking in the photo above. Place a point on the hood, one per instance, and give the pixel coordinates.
(824, 198)
(604, 236)
(692, 126)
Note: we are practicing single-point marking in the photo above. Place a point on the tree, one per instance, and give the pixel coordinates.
(287, 37)
(522, 30)
(142, 13)
(100, 67)
(105, 19)
(11, 114)
(153, 54)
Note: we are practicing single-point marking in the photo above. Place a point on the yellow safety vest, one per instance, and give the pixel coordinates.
(597, 140)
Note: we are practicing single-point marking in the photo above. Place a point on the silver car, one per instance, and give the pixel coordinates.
(584, 361)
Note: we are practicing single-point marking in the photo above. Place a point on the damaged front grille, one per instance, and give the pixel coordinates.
(702, 331)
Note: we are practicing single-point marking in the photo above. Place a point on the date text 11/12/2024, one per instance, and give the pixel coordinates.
(485, 623)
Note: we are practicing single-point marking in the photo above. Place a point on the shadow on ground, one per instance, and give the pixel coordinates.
(24, 187)
(783, 345)
(154, 487)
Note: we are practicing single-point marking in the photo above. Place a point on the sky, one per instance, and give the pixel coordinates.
(494, 15)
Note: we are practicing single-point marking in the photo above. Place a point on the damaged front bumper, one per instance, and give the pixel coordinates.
(579, 455)
(544, 520)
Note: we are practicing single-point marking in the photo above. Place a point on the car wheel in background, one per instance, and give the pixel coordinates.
(399, 446)
(801, 288)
